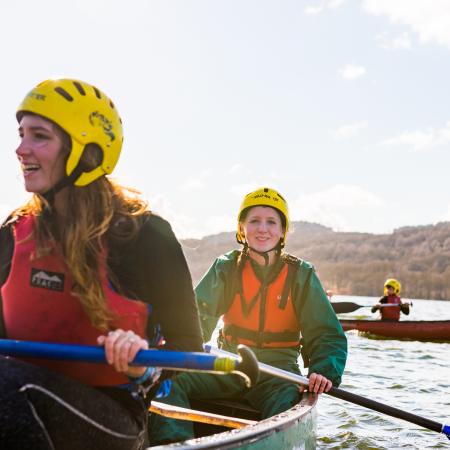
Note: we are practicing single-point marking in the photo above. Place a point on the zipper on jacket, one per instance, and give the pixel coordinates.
(262, 313)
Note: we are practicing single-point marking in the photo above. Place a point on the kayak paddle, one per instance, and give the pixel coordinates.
(246, 366)
(348, 307)
(347, 396)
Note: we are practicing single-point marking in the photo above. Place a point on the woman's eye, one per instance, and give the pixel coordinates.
(41, 136)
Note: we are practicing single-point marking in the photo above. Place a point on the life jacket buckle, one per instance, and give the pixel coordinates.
(259, 339)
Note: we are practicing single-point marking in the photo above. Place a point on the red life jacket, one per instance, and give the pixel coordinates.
(263, 316)
(38, 306)
(391, 312)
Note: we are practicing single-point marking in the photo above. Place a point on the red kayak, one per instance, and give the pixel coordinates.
(421, 330)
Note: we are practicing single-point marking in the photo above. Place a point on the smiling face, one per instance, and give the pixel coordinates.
(40, 153)
(262, 228)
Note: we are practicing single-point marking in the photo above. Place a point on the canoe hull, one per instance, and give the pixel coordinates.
(422, 330)
(293, 429)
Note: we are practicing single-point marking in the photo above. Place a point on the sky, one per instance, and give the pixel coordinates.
(340, 105)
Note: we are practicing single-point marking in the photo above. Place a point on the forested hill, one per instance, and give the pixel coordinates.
(355, 263)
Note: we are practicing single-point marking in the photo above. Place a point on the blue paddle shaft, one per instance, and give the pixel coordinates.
(96, 354)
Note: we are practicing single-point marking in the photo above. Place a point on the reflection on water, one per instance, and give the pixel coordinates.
(409, 375)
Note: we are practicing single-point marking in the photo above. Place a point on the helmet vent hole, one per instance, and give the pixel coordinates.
(97, 93)
(80, 88)
(63, 93)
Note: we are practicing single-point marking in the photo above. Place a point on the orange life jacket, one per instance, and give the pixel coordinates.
(391, 312)
(263, 315)
(38, 306)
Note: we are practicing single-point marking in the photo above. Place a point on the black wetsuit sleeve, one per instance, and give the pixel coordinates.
(154, 269)
(6, 252)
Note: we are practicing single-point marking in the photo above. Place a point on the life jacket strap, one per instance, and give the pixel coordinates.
(287, 286)
(260, 337)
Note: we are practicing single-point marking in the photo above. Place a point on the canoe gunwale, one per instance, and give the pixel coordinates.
(420, 330)
(252, 433)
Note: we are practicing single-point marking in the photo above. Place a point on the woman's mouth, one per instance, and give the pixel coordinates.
(28, 169)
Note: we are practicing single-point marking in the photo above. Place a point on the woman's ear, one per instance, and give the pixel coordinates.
(241, 230)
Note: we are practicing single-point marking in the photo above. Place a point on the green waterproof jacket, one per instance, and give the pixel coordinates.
(324, 345)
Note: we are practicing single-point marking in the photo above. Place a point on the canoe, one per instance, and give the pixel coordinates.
(421, 330)
(292, 429)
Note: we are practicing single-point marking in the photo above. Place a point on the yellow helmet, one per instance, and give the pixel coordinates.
(264, 197)
(86, 114)
(393, 283)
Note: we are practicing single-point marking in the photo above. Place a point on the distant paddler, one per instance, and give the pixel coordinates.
(390, 305)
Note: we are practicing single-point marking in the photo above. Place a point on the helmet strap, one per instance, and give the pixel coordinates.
(67, 180)
(265, 254)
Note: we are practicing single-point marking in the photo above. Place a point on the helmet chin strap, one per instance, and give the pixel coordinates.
(265, 254)
(61, 184)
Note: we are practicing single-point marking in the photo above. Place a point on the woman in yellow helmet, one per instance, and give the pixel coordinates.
(84, 262)
(270, 301)
(390, 305)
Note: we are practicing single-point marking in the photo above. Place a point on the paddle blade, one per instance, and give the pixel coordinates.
(345, 307)
(248, 365)
(446, 430)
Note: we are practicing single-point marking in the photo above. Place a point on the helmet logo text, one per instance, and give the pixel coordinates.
(98, 119)
(265, 196)
(37, 96)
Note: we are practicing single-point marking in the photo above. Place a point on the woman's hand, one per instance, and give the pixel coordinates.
(318, 384)
(120, 349)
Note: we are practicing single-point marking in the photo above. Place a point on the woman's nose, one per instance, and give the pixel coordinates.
(262, 226)
(22, 149)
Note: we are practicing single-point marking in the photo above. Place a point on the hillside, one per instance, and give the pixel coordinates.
(355, 263)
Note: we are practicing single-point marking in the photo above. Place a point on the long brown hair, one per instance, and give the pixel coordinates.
(102, 209)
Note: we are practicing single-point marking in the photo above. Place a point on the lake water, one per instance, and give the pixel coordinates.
(409, 375)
